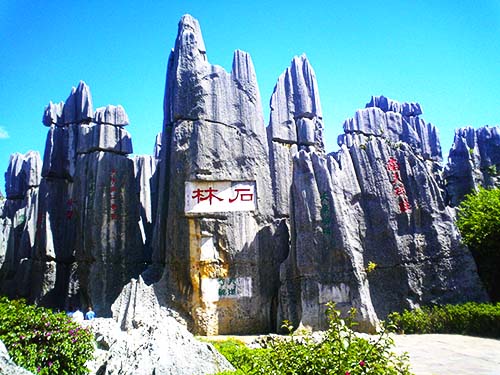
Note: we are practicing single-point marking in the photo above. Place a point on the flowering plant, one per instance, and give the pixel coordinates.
(43, 342)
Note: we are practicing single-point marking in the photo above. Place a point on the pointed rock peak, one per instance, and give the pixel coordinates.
(78, 107)
(189, 38)
(301, 67)
(23, 172)
(52, 115)
(243, 68)
(296, 93)
(300, 60)
(111, 115)
(389, 105)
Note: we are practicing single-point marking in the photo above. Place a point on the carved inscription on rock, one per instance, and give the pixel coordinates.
(219, 196)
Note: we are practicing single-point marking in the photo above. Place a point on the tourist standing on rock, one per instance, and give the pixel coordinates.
(90, 314)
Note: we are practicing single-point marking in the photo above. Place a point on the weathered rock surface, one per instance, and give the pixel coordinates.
(82, 224)
(157, 147)
(78, 106)
(101, 137)
(295, 106)
(296, 123)
(7, 367)
(111, 115)
(473, 161)
(218, 262)
(109, 249)
(22, 173)
(395, 122)
(146, 181)
(53, 114)
(236, 226)
(19, 222)
(144, 338)
(378, 199)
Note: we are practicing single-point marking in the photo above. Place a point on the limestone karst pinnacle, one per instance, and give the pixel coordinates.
(239, 224)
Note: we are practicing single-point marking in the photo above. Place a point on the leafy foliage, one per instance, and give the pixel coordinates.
(479, 224)
(339, 351)
(479, 219)
(44, 342)
(478, 319)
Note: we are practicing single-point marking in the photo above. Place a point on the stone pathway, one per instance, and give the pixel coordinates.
(450, 354)
(439, 354)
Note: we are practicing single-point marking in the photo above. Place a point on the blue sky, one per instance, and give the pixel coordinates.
(443, 54)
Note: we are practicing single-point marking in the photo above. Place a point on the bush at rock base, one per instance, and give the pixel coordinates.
(479, 224)
(477, 319)
(44, 342)
(338, 351)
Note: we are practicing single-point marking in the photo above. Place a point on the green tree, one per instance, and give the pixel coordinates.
(479, 224)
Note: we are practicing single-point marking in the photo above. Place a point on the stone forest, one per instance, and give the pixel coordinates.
(232, 225)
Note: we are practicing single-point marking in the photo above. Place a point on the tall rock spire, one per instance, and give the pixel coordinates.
(295, 107)
(296, 123)
(214, 142)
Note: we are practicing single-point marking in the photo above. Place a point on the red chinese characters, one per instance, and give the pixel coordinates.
(210, 195)
(112, 194)
(245, 196)
(219, 196)
(399, 188)
(203, 194)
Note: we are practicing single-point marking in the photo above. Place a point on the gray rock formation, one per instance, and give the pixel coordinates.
(395, 122)
(88, 239)
(22, 174)
(111, 115)
(296, 123)
(144, 338)
(215, 216)
(146, 181)
(19, 222)
(7, 367)
(378, 199)
(473, 161)
(240, 226)
(109, 249)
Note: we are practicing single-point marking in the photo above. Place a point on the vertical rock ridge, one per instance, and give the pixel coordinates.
(295, 123)
(379, 199)
(18, 218)
(473, 161)
(84, 235)
(214, 133)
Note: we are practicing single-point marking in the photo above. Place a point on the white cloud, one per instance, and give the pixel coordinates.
(3, 133)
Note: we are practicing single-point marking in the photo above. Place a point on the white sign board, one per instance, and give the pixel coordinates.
(213, 290)
(219, 196)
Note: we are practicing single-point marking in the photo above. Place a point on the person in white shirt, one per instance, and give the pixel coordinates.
(78, 316)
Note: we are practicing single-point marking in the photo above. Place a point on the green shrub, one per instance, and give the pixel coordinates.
(339, 351)
(477, 319)
(244, 359)
(44, 342)
(479, 224)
